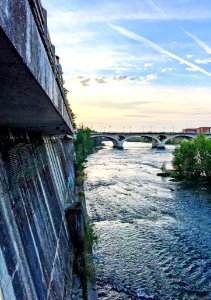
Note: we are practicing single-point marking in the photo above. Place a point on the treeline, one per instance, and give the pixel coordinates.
(192, 160)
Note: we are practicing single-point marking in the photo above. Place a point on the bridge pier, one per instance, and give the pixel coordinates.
(118, 145)
(158, 145)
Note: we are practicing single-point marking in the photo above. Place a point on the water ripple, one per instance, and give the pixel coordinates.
(155, 237)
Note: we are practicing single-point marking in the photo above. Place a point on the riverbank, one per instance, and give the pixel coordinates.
(78, 220)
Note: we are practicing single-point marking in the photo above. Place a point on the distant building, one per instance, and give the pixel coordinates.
(189, 130)
(204, 129)
(197, 130)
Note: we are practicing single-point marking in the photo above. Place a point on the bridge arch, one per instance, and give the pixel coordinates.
(156, 143)
(113, 140)
(142, 135)
(184, 136)
(162, 137)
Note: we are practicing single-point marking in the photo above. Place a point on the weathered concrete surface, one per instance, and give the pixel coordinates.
(36, 182)
(29, 96)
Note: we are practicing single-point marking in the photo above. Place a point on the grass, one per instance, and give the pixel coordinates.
(91, 235)
(88, 267)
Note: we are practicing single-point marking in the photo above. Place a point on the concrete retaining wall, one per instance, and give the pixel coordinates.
(36, 182)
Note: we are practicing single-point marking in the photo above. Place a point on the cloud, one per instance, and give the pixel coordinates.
(119, 79)
(67, 38)
(124, 78)
(137, 116)
(156, 47)
(203, 61)
(189, 55)
(102, 12)
(148, 65)
(148, 78)
(100, 80)
(198, 41)
(116, 105)
(164, 70)
(98, 58)
(191, 69)
(165, 104)
(85, 82)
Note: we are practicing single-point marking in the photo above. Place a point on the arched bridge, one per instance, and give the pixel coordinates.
(158, 139)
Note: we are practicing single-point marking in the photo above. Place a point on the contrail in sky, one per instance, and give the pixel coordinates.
(198, 41)
(156, 7)
(161, 50)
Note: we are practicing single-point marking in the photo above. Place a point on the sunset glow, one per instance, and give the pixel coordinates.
(138, 65)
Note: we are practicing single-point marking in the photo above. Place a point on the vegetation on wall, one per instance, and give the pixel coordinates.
(84, 146)
(69, 109)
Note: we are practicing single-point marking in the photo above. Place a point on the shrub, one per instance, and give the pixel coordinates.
(91, 235)
(192, 159)
(84, 146)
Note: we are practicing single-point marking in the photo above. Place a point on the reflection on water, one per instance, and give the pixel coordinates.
(155, 236)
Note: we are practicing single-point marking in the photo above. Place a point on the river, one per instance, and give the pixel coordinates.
(155, 235)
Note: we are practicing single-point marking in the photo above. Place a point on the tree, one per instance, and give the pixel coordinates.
(192, 159)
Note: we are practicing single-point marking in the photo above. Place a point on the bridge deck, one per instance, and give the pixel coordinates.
(30, 95)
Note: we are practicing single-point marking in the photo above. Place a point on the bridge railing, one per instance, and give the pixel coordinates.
(40, 17)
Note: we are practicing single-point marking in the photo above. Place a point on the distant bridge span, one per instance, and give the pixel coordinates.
(158, 139)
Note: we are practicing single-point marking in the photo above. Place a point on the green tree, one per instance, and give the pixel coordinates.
(192, 159)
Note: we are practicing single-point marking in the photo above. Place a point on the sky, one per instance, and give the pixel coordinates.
(135, 65)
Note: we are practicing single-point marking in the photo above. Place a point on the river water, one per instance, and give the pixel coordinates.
(155, 235)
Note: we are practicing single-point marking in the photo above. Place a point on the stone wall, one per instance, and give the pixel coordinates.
(36, 183)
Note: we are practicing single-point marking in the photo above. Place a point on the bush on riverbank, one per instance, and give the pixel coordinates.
(192, 160)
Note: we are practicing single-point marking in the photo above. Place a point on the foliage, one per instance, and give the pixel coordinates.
(192, 159)
(69, 109)
(88, 268)
(72, 114)
(174, 141)
(90, 242)
(84, 146)
(91, 235)
(80, 176)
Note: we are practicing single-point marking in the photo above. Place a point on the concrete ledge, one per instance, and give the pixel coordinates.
(29, 96)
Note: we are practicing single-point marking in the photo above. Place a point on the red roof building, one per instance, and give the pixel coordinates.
(189, 130)
(197, 130)
(204, 129)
